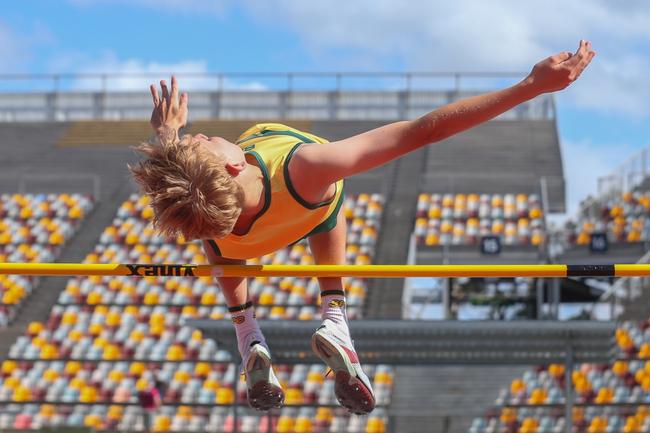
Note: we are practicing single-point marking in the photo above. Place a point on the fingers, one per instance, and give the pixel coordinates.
(561, 57)
(584, 61)
(184, 99)
(174, 89)
(575, 73)
(165, 91)
(154, 95)
(579, 55)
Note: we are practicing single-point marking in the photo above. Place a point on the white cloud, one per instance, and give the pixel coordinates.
(616, 85)
(461, 35)
(470, 35)
(13, 50)
(136, 74)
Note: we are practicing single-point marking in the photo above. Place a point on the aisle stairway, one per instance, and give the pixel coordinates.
(444, 399)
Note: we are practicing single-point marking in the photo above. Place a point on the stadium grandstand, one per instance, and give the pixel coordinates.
(76, 351)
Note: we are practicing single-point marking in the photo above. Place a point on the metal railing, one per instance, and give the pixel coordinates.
(255, 81)
(626, 176)
(299, 95)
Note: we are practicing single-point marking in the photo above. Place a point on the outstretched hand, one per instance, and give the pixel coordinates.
(558, 71)
(168, 112)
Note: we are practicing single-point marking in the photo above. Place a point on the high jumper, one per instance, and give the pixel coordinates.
(276, 185)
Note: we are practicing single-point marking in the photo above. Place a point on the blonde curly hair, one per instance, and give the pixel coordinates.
(192, 193)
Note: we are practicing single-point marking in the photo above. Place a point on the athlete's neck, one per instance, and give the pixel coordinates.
(252, 182)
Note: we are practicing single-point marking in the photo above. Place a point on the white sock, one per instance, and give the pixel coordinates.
(333, 311)
(246, 327)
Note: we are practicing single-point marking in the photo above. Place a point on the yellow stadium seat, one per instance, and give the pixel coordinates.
(56, 238)
(26, 213)
(156, 329)
(38, 341)
(142, 384)
(384, 377)
(76, 212)
(112, 352)
(645, 384)
(583, 238)
(604, 396)
(8, 367)
(208, 298)
(47, 410)
(189, 310)
(598, 425)
(72, 367)
(113, 318)
(132, 310)
(93, 421)
(632, 425)
(150, 298)
(529, 425)
(184, 412)
(94, 298)
(285, 424)
(640, 375)
(147, 213)
(49, 351)
(88, 394)
(12, 382)
(137, 368)
(293, 396)
(116, 375)
(202, 369)
(225, 396)
(50, 375)
(69, 318)
(175, 353)
(517, 386)
(115, 413)
(556, 370)
(182, 376)
(508, 415)
(375, 425)
(303, 425)
(136, 335)
(266, 298)
(644, 351)
(315, 376)
(620, 368)
(582, 385)
(100, 342)
(161, 423)
(537, 396)
(211, 384)
(77, 383)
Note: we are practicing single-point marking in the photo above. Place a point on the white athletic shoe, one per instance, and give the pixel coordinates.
(352, 386)
(264, 389)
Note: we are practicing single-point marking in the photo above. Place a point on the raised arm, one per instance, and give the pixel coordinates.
(325, 164)
(169, 113)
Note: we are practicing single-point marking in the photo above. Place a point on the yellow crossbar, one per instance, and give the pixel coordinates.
(368, 271)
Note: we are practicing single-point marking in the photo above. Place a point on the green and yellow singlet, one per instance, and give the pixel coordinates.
(286, 217)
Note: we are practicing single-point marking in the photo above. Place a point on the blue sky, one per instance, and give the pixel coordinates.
(603, 118)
